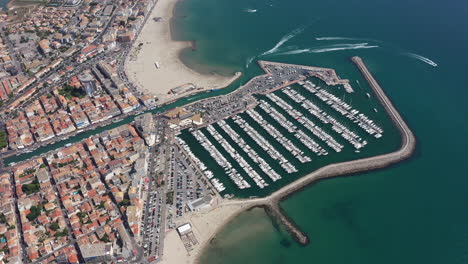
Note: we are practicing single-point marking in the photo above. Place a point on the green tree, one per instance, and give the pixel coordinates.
(125, 202)
(2, 218)
(105, 238)
(31, 188)
(100, 205)
(3, 138)
(35, 212)
(62, 233)
(54, 226)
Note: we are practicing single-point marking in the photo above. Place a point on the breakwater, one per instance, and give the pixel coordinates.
(275, 212)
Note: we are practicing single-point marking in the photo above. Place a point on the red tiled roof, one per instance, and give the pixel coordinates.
(73, 258)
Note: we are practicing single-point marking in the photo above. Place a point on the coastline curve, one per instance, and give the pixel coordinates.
(156, 56)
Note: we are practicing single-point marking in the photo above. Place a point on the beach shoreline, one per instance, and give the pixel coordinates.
(205, 225)
(154, 64)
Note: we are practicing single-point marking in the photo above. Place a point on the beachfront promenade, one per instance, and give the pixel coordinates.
(408, 143)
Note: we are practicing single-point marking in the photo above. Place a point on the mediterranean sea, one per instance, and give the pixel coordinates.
(415, 212)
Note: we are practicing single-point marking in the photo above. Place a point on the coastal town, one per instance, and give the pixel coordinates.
(63, 69)
(150, 185)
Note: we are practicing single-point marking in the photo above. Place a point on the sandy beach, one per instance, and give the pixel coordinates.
(158, 47)
(205, 224)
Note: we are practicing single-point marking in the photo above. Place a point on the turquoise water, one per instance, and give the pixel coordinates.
(415, 212)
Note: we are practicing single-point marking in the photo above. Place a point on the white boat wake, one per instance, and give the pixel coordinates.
(334, 38)
(249, 10)
(293, 52)
(421, 58)
(249, 61)
(284, 39)
(285, 50)
(329, 48)
(347, 38)
(343, 47)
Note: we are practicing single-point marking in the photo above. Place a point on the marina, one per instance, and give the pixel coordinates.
(221, 160)
(265, 145)
(339, 128)
(280, 126)
(291, 128)
(265, 167)
(307, 123)
(408, 142)
(286, 143)
(345, 109)
(238, 158)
